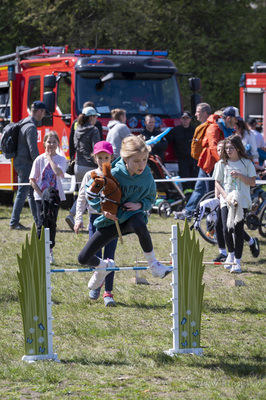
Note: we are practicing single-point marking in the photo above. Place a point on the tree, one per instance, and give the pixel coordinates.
(216, 40)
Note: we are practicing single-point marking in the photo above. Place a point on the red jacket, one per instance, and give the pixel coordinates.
(212, 137)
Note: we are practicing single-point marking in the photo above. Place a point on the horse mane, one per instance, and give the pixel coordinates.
(107, 172)
(111, 199)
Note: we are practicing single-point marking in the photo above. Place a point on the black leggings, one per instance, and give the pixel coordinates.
(103, 236)
(238, 230)
(220, 232)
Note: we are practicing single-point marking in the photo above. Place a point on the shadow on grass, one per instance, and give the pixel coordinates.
(160, 357)
(159, 233)
(254, 366)
(254, 272)
(86, 361)
(8, 297)
(145, 306)
(229, 310)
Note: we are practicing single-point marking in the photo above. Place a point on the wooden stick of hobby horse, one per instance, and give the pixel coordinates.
(119, 232)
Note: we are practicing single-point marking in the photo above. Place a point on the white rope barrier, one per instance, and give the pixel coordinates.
(173, 179)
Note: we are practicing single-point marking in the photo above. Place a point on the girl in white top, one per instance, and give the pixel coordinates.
(234, 171)
(47, 169)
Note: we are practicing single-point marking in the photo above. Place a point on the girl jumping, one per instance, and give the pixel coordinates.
(138, 195)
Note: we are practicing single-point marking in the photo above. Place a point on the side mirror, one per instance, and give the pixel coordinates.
(49, 101)
(195, 99)
(49, 81)
(194, 84)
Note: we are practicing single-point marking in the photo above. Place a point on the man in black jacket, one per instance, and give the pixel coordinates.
(181, 137)
(149, 132)
(26, 154)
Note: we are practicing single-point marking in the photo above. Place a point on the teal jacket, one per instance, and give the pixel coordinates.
(227, 131)
(138, 188)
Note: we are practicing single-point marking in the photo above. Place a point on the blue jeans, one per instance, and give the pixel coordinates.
(23, 172)
(201, 188)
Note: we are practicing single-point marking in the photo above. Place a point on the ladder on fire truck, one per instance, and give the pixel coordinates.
(27, 52)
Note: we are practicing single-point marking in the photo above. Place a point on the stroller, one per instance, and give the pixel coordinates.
(169, 194)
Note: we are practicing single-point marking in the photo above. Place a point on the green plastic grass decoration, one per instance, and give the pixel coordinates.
(190, 288)
(32, 295)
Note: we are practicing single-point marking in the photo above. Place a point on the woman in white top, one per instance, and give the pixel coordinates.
(248, 140)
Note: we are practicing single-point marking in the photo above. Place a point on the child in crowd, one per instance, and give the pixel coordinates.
(47, 169)
(252, 242)
(234, 172)
(138, 195)
(102, 152)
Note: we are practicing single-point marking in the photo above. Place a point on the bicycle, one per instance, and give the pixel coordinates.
(204, 216)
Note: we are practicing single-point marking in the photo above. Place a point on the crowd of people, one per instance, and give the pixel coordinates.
(232, 154)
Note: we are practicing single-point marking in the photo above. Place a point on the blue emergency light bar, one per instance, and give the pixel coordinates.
(120, 52)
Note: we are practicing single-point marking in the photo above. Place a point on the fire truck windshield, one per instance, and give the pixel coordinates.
(137, 93)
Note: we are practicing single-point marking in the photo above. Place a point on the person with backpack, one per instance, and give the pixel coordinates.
(203, 111)
(217, 129)
(27, 151)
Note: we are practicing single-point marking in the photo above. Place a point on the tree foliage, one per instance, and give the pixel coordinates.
(216, 40)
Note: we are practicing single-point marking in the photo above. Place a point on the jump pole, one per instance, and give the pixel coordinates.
(186, 260)
(34, 276)
(39, 339)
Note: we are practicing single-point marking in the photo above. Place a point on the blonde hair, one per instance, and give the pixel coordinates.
(132, 145)
(49, 134)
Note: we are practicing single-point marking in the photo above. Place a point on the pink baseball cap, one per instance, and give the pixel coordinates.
(103, 146)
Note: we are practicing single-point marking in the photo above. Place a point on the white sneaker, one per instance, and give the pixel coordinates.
(229, 259)
(236, 268)
(98, 276)
(160, 270)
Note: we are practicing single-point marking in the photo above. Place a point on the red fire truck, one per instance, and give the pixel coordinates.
(253, 95)
(138, 81)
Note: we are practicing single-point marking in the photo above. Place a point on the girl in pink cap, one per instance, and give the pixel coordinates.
(102, 152)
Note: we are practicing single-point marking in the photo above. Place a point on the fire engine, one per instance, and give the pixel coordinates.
(139, 81)
(253, 95)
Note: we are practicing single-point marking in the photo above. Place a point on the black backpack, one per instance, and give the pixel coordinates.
(9, 139)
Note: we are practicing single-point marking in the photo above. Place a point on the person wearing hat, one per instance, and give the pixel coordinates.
(118, 130)
(218, 129)
(26, 153)
(149, 132)
(181, 137)
(85, 137)
(74, 125)
(103, 152)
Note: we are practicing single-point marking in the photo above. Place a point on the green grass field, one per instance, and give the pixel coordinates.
(118, 353)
